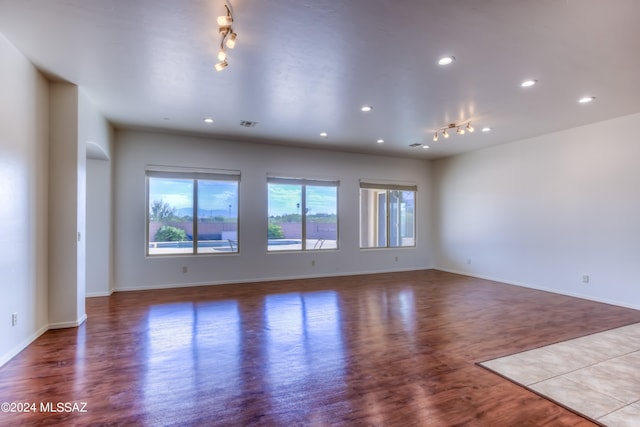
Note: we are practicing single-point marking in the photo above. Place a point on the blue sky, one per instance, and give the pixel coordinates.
(214, 195)
(284, 199)
(218, 195)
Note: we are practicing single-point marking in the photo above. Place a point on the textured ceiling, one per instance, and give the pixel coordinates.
(302, 67)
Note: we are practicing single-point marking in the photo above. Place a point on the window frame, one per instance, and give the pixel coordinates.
(388, 188)
(303, 183)
(195, 175)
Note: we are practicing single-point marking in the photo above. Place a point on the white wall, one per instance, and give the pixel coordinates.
(96, 133)
(545, 211)
(135, 150)
(23, 201)
(99, 230)
(67, 175)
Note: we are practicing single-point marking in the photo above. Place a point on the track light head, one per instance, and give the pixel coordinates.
(445, 133)
(460, 130)
(469, 127)
(225, 21)
(435, 136)
(221, 65)
(231, 40)
(222, 55)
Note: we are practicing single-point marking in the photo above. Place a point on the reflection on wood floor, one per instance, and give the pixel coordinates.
(395, 349)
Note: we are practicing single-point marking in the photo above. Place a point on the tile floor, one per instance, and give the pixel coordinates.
(596, 375)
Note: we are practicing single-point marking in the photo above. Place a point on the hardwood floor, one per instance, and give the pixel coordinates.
(395, 349)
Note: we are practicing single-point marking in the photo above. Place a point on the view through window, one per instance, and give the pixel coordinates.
(387, 215)
(192, 213)
(303, 215)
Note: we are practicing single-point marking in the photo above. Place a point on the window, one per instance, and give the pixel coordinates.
(387, 215)
(176, 197)
(303, 214)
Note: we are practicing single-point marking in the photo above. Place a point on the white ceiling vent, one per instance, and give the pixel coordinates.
(247, 123)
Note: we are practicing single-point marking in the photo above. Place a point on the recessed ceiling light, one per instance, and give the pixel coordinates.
(586, 99)
(324, 134)
(366, 108)
(380, 141)
(208, 120)
(486, 129)
(528, 83)
(446, 60)
(425, 147)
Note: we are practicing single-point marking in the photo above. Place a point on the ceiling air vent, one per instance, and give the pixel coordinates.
(417, 144)
(247, 123)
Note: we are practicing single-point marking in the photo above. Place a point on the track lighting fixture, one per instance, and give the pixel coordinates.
(226, 35)
(461, 129)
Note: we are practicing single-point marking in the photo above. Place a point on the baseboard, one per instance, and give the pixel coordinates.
(72, 324)
(541, 288)
(100, 294)
(24, 344)
(262, 279)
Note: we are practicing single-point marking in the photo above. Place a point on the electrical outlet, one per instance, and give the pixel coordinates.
(14, 319)
(184, 269)
(396, 259)
(468, 260)
(313, 263)
(585, 279)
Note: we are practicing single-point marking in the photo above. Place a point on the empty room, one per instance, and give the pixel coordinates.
(319, 212)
